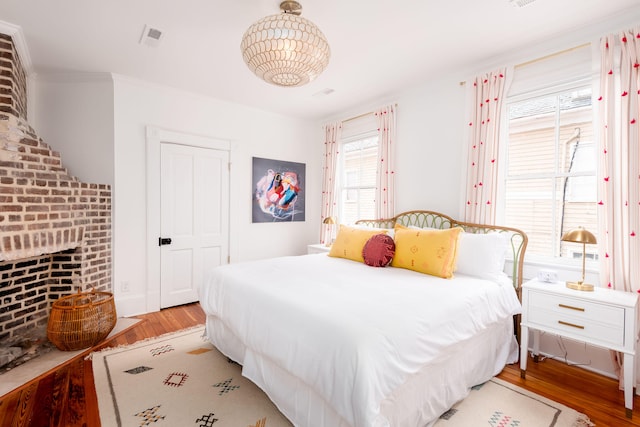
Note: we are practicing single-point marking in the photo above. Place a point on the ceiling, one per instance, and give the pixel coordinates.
(378, 47)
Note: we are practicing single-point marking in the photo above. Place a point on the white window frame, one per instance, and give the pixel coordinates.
(502, 183)
(340, 172)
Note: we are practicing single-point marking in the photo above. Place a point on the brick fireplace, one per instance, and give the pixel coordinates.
(55, 231)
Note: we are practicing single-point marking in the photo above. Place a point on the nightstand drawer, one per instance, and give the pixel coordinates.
(596, 322)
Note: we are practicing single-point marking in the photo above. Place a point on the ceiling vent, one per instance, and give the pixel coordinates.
(520, 3)
(150, 36)
(323, 92)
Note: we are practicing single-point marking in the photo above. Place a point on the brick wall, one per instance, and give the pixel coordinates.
(13, 81)
(55, 231)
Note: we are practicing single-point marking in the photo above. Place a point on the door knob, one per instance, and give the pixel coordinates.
(164, 241)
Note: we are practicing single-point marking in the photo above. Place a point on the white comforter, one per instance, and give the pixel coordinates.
(351, 332)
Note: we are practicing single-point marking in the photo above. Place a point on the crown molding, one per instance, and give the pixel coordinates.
(74, 77)
(20, 44)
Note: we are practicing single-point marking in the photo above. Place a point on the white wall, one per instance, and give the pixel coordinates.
(74, 115)
(430, 146)
(252, 133)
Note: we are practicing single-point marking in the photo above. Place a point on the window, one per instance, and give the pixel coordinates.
(357, 172)
(550, 180)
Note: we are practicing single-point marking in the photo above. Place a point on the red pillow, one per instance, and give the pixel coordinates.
(379, 250)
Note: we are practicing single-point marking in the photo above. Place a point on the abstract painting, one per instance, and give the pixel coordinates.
(278, 190)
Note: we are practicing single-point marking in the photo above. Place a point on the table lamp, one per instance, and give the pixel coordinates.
(580, 235)
(331, 221)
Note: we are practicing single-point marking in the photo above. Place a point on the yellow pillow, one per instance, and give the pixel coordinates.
(429, 251)
(350, 241)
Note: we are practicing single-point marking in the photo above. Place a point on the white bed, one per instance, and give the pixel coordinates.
(334, 342)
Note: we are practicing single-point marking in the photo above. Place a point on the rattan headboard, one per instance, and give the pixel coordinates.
(420, 218)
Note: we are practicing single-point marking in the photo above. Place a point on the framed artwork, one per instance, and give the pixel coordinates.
(278, 191)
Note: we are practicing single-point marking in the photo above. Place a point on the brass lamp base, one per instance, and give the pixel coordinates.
(580, 286)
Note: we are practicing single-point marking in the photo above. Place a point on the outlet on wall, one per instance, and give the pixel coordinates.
(124, 286)
(547, 275)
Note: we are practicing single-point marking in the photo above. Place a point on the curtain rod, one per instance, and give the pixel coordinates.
(395, 104)
(357, 117)
(551, 55)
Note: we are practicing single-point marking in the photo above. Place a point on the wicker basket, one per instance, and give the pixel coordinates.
(81, 320)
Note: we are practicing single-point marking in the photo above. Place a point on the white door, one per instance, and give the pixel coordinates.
(194, 223)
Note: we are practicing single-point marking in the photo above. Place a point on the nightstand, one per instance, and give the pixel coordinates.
(318, 248)
(604, 318)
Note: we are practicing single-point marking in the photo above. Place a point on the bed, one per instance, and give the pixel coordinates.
(335, 342)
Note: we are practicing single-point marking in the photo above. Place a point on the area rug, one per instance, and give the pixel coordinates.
(501, 404)
(181, 380)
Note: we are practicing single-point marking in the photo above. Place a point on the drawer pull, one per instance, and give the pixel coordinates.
(570, 307)
(570, 324)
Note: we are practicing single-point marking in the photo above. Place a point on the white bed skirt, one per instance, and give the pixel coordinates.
(417, 403)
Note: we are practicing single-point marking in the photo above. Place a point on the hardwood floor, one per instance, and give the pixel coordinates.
(585, 391)
(67, 396)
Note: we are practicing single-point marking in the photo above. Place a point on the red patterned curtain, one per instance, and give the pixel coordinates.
(486, 94)
(619, 159)
(385, 175)
(619, 166)
(331, 145)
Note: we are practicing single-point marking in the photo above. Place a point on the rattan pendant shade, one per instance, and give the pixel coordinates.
(285, 49)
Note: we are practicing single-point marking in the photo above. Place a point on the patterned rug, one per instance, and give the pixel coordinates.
(498, 403)
(178, 380)
(181, 380)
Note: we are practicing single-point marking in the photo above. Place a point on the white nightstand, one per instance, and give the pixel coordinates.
(604, 318)
(318, 248)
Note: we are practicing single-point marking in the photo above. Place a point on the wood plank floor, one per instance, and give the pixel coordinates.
(67, 397)
(585, 391)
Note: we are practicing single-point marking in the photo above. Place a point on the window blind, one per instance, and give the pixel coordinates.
(359, 127)
(551, 71)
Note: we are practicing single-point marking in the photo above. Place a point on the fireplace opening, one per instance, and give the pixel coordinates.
(23, 348)
(28, 288)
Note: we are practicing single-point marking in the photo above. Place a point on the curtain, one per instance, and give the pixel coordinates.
(486, 98)
(385, 175)
(331, 144)
(618, 161)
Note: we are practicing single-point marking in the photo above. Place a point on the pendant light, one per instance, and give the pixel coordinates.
(285, 49)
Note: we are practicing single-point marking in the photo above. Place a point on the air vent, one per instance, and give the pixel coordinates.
(150, 36)
(323, 92)
(520, 3)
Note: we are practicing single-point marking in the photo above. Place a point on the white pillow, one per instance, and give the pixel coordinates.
(388, 231)
(482, 255)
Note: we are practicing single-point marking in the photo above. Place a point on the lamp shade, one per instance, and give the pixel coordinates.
(285, 49)
(329, 220)
(579, 235)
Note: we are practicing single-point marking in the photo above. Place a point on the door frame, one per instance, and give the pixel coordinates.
(155, 136)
